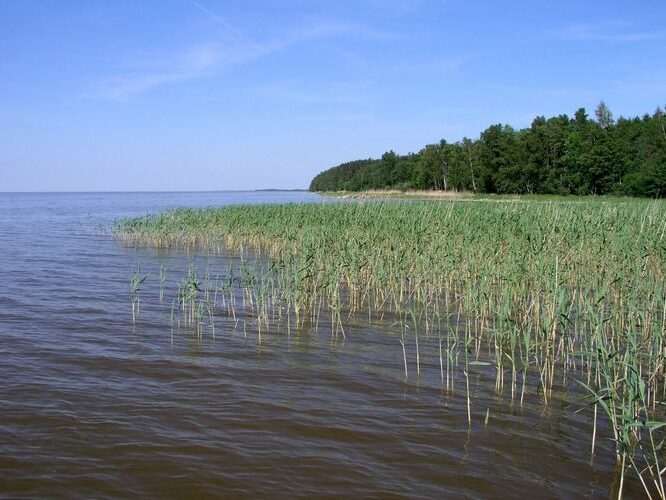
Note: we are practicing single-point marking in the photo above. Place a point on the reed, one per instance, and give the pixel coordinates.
(550, 291)
(135, 292)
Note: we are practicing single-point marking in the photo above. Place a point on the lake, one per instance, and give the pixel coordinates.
(96, 405)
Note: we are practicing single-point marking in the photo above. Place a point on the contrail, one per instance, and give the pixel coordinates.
(228, 26)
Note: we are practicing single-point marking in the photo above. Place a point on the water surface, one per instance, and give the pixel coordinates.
(93, 405)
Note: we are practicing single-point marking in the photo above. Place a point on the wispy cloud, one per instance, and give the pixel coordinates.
(338, 116)
(397, 7)
(192, 63)
(646, 86)
(231, 29)
(614, 32)
(207, 59)
(430, 66)
(336, 93)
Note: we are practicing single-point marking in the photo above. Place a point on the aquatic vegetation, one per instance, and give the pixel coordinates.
(135, 288)
(548, 291)
(163, 275)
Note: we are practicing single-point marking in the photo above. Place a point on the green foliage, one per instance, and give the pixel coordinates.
(558, 155)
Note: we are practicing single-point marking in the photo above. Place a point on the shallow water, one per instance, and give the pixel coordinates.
(93, 405)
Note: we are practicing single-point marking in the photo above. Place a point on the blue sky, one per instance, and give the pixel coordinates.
(137, 95)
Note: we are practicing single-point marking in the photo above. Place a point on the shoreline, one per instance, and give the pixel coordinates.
(466, 196)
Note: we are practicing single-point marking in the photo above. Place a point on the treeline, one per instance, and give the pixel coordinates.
(558, 155)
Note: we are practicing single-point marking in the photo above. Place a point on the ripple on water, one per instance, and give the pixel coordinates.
(95, 406)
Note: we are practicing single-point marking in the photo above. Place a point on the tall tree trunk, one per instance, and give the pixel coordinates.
(445, 172)
(471, 167)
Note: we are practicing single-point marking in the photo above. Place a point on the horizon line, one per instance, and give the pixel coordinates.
(160, 191)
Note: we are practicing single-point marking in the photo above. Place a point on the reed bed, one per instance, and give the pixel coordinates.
(553, 291)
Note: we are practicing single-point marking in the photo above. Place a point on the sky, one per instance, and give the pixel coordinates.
(164, 95)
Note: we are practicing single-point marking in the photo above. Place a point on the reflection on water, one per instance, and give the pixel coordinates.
(92, 404)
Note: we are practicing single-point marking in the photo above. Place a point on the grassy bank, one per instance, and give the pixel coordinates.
(538, 289)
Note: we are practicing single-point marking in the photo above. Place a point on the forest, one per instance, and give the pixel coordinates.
(561, 155)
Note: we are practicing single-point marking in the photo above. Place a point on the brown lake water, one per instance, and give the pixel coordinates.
(92, 405)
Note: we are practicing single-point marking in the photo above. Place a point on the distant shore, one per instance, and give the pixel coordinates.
(439, 195)
(383, 194)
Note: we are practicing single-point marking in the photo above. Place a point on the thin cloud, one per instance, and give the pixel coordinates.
(338, 93)
(206, 60)
(190, 64)
(316, 29)
(436, 66)
(337, 117)
(397, 7)
(647, 87)
(219, 19)
(606, 32)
